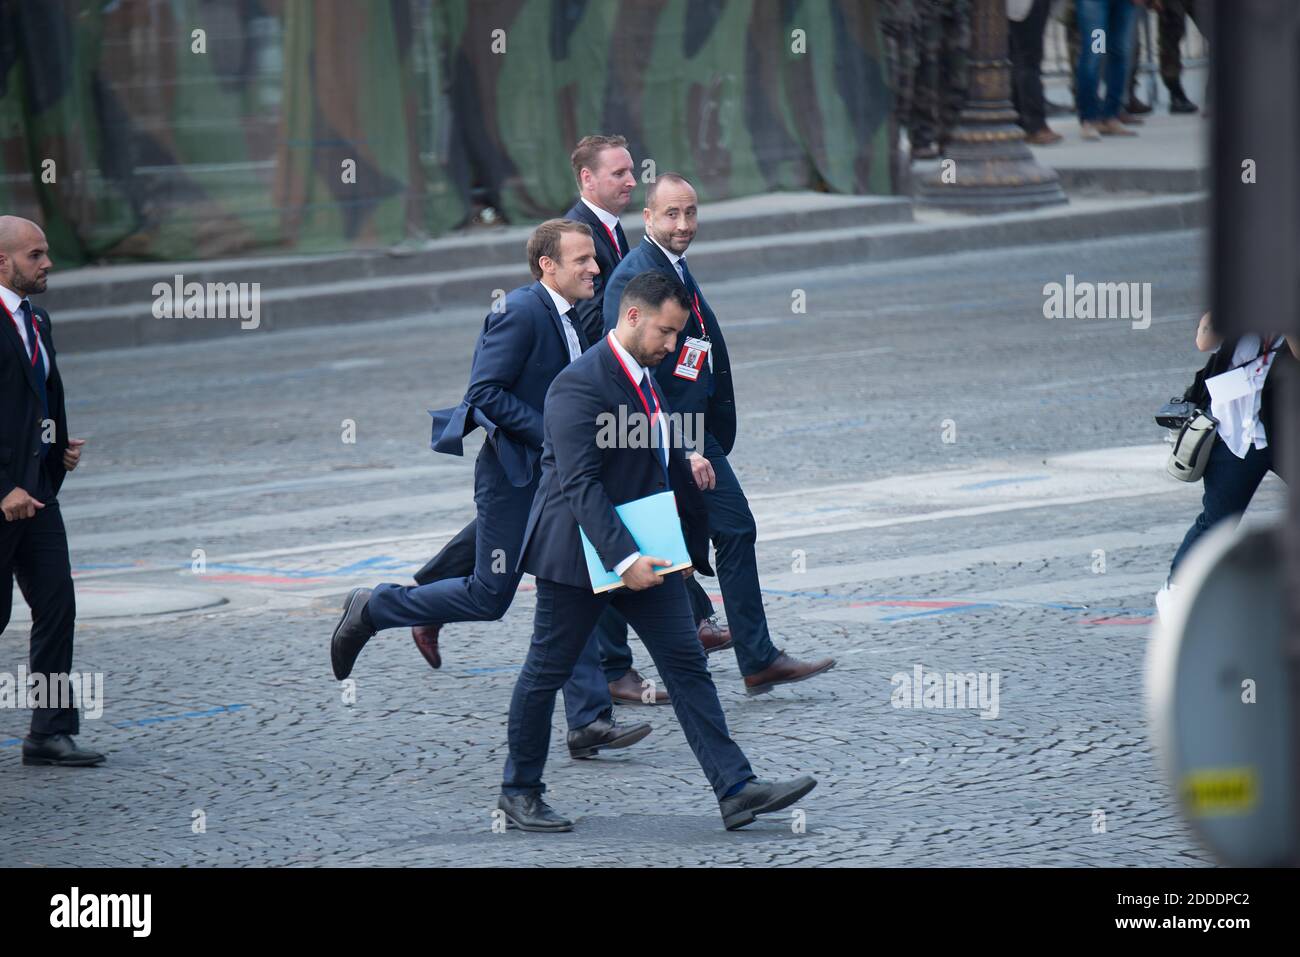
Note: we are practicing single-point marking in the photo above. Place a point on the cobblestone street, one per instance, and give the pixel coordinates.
(941, 476)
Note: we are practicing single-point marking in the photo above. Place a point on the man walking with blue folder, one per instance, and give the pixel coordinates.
(697, 381)
(584, 477)
(521, 349)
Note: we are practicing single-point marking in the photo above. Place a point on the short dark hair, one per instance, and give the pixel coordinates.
(659, 180)
(650, 290)
(589, 149)
(545, 241)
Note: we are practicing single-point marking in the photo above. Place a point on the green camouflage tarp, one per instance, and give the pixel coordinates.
(313, 125)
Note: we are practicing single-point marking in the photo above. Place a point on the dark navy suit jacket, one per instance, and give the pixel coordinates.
(22, 455)
(519, 352)
(581, 482)
(607, 258)
(712, 393)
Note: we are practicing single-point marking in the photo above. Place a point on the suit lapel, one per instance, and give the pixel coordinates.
(598, 231)
(541, 293)
(24, 359)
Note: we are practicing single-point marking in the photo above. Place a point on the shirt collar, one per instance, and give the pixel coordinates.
(672, 256)
(604, 215)
(634, 367)
(11, 299)
(562, 305)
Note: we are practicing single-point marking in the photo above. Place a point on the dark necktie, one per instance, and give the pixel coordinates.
(622, 240)
(33, 352)
(652, 403)
(572, 316)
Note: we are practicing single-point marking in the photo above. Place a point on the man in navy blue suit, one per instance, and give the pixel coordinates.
(697, 381)
(584, 476)
(524, 345)
(603, 169)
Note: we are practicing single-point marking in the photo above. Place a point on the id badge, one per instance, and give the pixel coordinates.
(695, 352)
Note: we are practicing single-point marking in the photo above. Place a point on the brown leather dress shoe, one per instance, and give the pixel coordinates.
(426, 639)
(628, 690)
(714, 637)
(783, 671)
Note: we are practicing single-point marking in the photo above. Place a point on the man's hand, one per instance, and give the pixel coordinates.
(640, 574)
(702, 471)
(19, 505)
(72, 454)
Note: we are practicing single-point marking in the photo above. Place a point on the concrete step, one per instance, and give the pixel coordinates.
(344, 299)
(97, 288)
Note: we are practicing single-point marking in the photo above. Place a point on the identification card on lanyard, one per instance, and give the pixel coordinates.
(695, 352)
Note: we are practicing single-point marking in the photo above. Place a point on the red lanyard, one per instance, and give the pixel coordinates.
(614, 239)
(36, 347)
(654, 417)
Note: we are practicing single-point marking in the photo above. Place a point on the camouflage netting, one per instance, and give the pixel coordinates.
(128, 143)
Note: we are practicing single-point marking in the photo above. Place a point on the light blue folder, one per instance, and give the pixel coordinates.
(657, 531)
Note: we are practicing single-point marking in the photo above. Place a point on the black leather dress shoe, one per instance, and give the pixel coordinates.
(350, 634)
(58, 749)
(604, 733)
(529, 812)
(762, 797)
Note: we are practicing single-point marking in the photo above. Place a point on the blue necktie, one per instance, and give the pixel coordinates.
(34, 341)
(622, 240)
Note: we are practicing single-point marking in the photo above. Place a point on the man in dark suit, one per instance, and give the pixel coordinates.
(523, 346)
(35, 457)
(603, 169)
(584, 476)
(697, 381)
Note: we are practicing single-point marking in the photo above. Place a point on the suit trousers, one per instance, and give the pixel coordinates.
(562, 628)
(611, 631)
(733, 532)
(35, 552)
(480, 585)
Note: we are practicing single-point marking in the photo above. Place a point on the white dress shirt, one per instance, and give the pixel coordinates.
(563, 306)
(640, 373)
(1239, 423)
(12, 301)
(673, 258)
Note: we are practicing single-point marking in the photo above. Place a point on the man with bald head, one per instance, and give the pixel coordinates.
(696, 378)
(35, 456)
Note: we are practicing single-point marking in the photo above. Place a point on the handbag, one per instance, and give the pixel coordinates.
(1191, 451)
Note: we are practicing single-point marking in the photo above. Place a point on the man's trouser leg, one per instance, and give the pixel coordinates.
(732, 529)
(34, 551)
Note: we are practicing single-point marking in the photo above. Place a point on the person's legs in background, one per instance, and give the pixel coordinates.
(1026, 47)
(1121, 22)
(1091, 18)
(1230, 484)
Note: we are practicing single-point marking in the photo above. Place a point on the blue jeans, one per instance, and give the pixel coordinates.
(1230, 484)
(1116, 20)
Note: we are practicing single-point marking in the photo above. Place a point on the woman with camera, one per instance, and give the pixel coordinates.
(1239, 387)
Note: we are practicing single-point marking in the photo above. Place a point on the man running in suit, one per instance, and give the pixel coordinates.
(35, 457)
(583, 479)
(697, 380)
(520, 351)
(603, 169)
